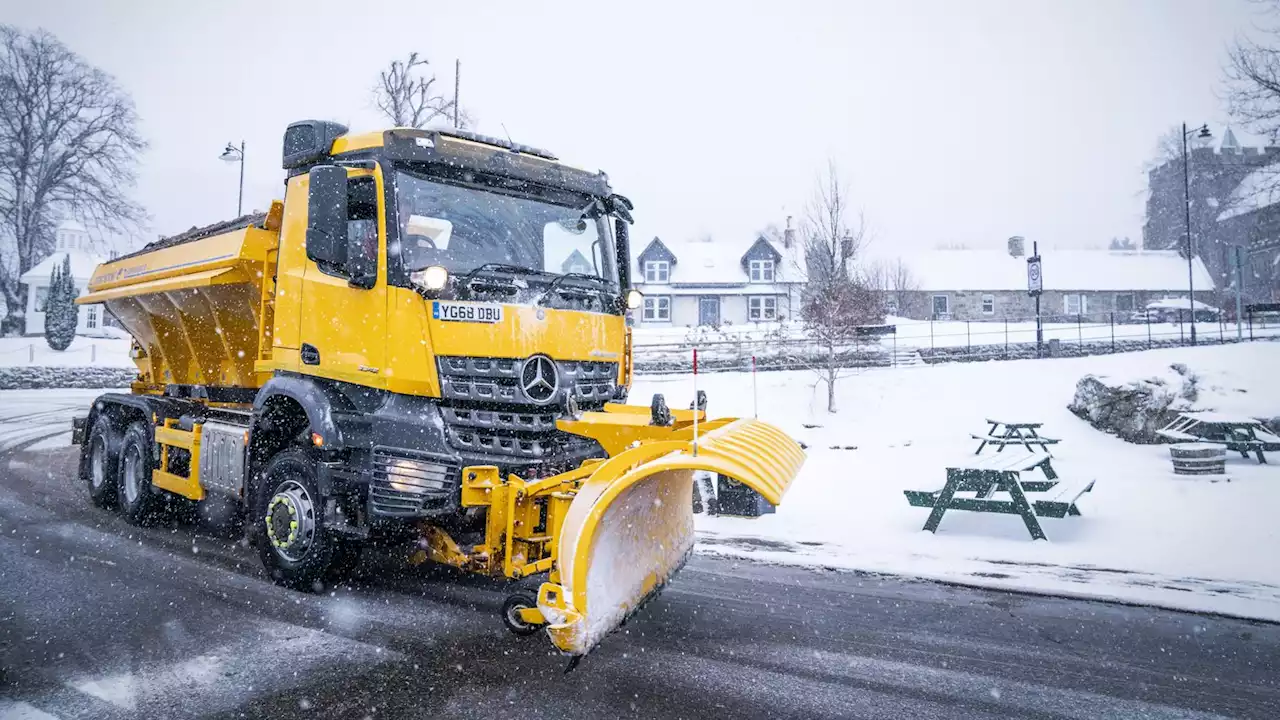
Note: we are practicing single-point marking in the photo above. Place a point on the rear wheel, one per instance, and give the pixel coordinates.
(139, 501)
(103, 472)
(288, 525)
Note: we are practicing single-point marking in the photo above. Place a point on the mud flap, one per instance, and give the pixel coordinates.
(630, 527)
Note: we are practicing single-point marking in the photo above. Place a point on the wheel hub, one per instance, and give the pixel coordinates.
(97, 471)
(132, 471)
(290, 521)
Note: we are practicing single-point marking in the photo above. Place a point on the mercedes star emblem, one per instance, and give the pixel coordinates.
(538, 379)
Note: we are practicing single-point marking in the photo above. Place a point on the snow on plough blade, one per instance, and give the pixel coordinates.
(629, 528)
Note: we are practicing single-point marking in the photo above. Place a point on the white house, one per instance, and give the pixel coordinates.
(72, 241)
(716, 282)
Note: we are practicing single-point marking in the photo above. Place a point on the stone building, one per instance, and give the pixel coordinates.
(991, 285)
(1228, 185)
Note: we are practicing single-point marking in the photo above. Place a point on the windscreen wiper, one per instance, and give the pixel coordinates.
(577, 276)
(499, 267)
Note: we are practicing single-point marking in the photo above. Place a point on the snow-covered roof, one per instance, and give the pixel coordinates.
(82, 267)
(1119, 270)
(1177, 304)
(720, 263)
(1258, 189)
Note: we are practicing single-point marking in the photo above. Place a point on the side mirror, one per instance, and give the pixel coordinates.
(327, 217)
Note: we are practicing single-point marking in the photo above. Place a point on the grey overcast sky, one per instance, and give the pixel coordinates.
(954, 121)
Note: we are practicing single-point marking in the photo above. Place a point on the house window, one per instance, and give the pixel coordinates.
(941, 305)
(657, 309)
(91, 317)
(988, 304)
(42, 299)
(1124, 302)
(761, 270)
(1074, 304)
(657, 271)
(762, 308)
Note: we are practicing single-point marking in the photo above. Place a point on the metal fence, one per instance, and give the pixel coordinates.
(912, 343)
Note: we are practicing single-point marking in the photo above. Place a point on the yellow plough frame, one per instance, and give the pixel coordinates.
(612, 532)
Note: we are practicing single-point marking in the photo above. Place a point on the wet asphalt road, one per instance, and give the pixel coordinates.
(99, 619)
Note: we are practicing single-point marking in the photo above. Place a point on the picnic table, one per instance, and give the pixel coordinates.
(1237, 432)
(1013, 474)
(1004, 433)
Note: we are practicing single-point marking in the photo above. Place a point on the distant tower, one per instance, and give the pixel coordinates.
(1229, 143)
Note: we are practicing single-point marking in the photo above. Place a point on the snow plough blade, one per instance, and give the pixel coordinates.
(630, 527)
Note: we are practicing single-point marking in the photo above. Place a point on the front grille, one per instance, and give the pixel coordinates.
(486, 412)
(497, 380)
(407, 483)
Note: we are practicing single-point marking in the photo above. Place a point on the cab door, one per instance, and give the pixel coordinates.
(344, 310)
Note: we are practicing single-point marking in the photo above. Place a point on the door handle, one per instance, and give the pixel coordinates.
(310, 355)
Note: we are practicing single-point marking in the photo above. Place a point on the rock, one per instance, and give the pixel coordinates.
(1135, 410)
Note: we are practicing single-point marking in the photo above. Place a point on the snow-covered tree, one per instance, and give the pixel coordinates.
(61, 314)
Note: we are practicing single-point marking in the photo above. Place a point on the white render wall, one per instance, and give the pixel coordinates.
(35, 320)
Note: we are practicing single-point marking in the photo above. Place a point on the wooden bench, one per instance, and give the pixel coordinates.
(1244, 435)
(1015, 433)
(985, 482)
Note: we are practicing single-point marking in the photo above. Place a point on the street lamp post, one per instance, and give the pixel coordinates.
(1202, 133)
(236, 154)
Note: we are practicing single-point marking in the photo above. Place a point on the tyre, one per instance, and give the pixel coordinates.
(140, 502)
(511, 613)
(102, 475)
(288, 525)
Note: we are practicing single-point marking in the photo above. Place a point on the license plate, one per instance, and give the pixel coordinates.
(466, 312)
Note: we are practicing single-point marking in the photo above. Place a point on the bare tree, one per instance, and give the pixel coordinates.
(895, 284)
(837, 299)
(408, 97)
(1253, 75)
(69, 146)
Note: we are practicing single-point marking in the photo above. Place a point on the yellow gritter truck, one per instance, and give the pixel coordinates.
(426, 342)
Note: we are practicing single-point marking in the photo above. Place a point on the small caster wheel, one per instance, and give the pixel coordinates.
(511, 613)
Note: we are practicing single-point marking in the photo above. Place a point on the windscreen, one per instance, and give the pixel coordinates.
(462, 228)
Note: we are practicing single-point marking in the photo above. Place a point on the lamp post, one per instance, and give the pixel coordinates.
(1202, 134)
(236, 154)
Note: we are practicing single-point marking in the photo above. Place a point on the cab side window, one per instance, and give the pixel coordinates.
(362, 225)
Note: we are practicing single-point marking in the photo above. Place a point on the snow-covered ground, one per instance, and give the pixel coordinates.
(95, 351)
(1145, 535)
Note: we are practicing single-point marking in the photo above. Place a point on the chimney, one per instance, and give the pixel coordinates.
(1017, 246)
(788, 235)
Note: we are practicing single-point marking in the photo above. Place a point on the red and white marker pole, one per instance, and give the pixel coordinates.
(755, 393)
(695, 402)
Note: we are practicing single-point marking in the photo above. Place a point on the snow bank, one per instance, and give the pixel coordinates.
(34, 351)
(1145, 536)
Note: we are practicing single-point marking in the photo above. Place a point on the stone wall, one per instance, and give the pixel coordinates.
(28, 377)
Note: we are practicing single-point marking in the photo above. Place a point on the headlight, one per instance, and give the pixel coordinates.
(433, 278)
(634, 299)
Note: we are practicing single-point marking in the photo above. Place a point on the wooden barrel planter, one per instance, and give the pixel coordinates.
(1198, 459)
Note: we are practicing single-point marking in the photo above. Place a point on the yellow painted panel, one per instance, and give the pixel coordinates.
(524, 330)
(186, 487)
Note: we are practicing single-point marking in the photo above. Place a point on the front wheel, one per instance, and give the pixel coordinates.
(511, 613)
(288, 520)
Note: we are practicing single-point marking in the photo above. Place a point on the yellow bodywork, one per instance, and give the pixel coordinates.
(232, 309)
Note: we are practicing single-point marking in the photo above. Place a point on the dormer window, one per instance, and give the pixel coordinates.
(761, 270)
(657, 271)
